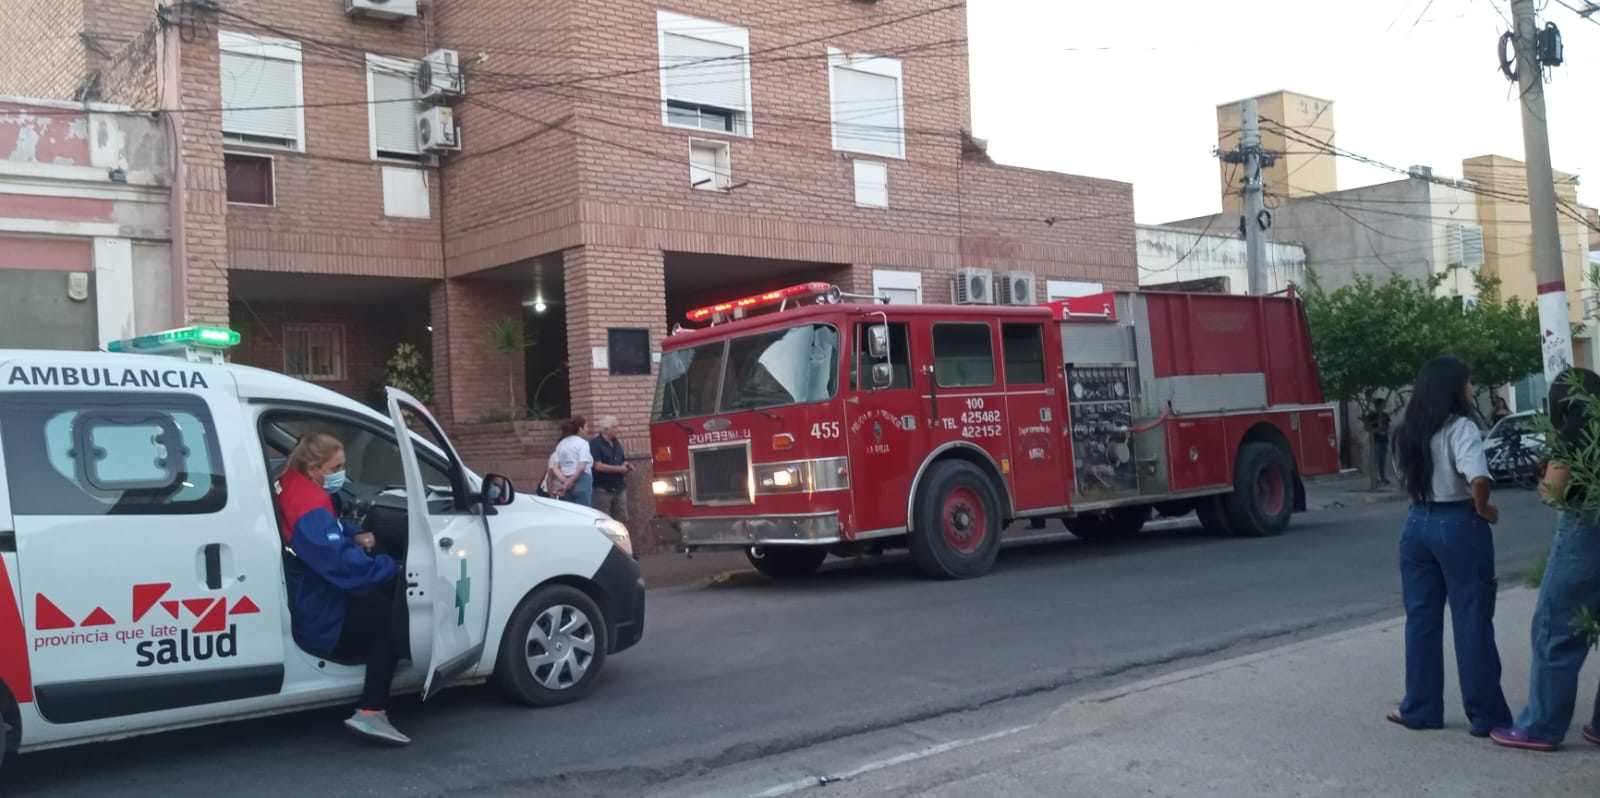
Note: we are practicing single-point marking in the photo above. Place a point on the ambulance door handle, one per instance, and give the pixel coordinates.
(446, 543)
(213, 555)
(8, 541)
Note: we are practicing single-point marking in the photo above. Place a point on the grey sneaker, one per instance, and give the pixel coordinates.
(376, 726)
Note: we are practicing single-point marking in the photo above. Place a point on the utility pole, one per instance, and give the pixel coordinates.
(1255, 221)
(1554, 322)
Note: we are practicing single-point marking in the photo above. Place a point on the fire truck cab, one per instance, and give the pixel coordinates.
(847, 427)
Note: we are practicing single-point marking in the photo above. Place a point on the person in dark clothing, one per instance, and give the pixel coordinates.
(1501, 410)
(611, 469)
(1378, 424)
(342, 595)
(1571, 584)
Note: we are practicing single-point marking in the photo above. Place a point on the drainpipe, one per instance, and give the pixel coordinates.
(169, 86)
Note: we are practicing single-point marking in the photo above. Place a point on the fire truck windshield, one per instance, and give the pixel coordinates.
(797, 365)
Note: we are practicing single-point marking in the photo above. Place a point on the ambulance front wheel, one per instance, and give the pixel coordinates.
(786, 562)
(957, 514)
(553, 649)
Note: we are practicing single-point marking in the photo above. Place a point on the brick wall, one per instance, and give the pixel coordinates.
(611, 287)
(370, 336)
(131, 75)
(40, 53)
(473, 381)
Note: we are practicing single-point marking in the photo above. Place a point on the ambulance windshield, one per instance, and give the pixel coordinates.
(792, 366)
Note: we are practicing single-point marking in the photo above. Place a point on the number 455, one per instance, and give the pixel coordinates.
(826, 429)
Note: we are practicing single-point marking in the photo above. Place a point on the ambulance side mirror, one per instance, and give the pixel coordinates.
(878, 341)
(497, 491)
(882, 375)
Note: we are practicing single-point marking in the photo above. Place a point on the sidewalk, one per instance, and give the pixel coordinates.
(1347, 490)
(1301, 720)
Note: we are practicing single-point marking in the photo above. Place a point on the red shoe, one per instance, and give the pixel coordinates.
(1592, 734)
(1517, 738)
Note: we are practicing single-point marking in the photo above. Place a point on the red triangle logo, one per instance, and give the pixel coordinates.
(215, 621)
(244, 606)
(146, 596)
(46, 615)
(98, 618)
(171, 607)
(197, 606)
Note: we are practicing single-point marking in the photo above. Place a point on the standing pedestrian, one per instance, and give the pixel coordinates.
(611, 469)
(1571, 581)
(570, 467)
(1379, 423)
(1501, 410)
(1447, 553)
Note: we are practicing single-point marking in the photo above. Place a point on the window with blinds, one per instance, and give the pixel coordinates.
(867, 106)
(705, 74)
(262, 102)
(393, 108)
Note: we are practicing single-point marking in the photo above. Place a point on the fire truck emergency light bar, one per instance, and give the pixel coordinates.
(760, 300)
(194, 343)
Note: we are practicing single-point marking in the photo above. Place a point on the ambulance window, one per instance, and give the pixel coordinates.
(110, 454)
(963, 355)
(371, 458)
(1024, 352)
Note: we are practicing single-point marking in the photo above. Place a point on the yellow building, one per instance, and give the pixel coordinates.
(1300, 170)
(1502, 185)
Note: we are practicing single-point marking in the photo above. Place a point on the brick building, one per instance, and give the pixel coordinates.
(618, 164)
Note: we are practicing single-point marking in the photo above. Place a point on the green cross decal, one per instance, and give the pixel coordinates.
(463, 595)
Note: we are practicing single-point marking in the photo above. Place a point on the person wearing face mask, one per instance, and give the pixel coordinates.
(342, 594)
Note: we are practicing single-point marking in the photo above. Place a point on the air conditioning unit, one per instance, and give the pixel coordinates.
(381, 9)
(1016, 288)
(439, 75)
(437, 131)
(974, 287)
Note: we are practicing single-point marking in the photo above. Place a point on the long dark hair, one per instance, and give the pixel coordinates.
(1568, 413)
(1439, 395)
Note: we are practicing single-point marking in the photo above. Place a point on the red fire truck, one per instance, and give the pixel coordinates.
(802, 422)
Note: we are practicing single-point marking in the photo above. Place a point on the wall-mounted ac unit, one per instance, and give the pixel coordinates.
(439, 75)
(437, 131)
(1017, 288)
(974, 287)
(381, 9)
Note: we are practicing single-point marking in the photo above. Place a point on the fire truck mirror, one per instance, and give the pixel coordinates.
(878, 342)
(882, 375)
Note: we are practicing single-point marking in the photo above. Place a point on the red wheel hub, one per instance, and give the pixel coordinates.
(965, 525)
(1271, 491)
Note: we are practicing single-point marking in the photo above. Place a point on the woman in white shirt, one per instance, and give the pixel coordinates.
(571, 469)
(1447, 553)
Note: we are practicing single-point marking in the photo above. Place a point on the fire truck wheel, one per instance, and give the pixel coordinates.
(958, 522)
(1263, 491)
(786, 562)
(1213, 513)
(1119, 523)
(553, 649)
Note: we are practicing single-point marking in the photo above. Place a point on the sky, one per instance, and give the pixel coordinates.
(1129, 91)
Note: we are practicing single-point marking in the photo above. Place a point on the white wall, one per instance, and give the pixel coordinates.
(1170, 254)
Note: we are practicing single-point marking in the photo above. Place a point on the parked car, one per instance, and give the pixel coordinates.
(1513, 447)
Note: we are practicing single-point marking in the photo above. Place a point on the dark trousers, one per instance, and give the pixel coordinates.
(1447, 557)
(1380, 456)
(375, 631)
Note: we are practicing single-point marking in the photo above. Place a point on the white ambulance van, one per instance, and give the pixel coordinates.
(142, 581)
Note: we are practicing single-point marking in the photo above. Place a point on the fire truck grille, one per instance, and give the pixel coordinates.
(721, 475)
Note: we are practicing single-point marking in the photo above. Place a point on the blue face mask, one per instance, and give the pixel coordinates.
(333, 482)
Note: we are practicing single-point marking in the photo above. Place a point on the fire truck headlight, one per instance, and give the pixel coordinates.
(782, 478)
(669, 485)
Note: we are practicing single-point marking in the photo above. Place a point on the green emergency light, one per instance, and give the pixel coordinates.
(194, 343)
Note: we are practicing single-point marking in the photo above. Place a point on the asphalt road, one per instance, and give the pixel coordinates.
(737, 672)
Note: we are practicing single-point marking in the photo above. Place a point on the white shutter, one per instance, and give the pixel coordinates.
(1471, 245)
(866, 112)
(268, 85)
(702, 72)
(394, 107)
(872, 184)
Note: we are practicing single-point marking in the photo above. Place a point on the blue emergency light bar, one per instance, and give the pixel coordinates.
(189, 341)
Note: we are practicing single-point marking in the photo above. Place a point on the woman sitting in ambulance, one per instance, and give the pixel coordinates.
(342, 595)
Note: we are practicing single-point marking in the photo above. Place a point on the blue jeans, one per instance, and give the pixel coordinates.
(1447, 556)
(582, 490)
(1571, 582)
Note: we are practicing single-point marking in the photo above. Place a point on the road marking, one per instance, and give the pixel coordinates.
(881, 764)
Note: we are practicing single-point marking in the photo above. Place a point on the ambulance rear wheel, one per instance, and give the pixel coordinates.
(1263, 491)
(1121, 522)
(957, 516)
(553, 649)
(786, 562)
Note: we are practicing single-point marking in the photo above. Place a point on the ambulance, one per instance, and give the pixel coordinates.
(142, 583)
